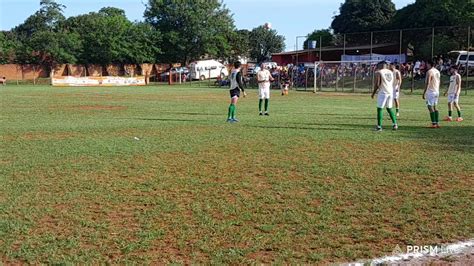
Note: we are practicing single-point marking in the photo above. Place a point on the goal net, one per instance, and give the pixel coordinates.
(344, 76)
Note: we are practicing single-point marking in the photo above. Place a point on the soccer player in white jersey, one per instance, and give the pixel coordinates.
(453, 93)
(431, 93)
(236, 85)
(397, 85)
(384, 80)
(264, 79)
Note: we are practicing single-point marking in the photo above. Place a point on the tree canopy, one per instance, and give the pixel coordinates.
(191, 29)
(264, 43)
(363, 15)
(325, 36)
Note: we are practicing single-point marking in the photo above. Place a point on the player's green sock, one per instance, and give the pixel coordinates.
(379, 116)
(392, 115)
(260, 102)
(229, 114)
(459, 114)
(436, 117)
(450, 113)
(233, 111)
(398, 110)
(432, 116)
(267, 101)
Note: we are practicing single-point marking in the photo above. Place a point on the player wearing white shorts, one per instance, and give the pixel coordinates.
(453, 93)
(264, 79)
(431, 93)
(384, 80)
(396, 86)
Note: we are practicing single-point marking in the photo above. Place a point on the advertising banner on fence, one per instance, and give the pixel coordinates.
(393, 58)
(98, 81)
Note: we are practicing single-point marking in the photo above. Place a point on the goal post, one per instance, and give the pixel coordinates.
(343, 76)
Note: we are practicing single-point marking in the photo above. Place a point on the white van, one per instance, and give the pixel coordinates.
(270, 64)
(463, 59)
(207, 69)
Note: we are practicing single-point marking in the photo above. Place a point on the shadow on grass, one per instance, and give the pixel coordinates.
(459, 138)
(299, 128)
(365, 117)
(193, 113)
(164, 119)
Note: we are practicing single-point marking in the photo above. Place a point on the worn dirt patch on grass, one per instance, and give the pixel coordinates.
(100, 107)
(42, 136)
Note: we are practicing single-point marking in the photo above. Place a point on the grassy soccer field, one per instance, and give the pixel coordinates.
(309, 184)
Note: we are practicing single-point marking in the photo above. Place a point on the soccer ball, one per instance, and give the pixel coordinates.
(268, 26)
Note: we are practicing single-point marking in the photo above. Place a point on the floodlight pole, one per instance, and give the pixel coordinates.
(401, 42)
(320, 48)
(371, 44)
(432, 42)
(296, 50)
(297, 37)
(344, 70)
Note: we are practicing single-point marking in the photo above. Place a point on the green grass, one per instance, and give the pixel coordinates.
(310, 184)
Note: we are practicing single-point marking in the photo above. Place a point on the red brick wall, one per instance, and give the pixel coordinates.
(23, 72)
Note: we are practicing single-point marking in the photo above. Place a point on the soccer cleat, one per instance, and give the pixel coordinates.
(235, 120)
(448, 119)
(395, 127)
(437, 126)
(267, 114)
(432, 126)
(229, 120)
(261, 114)
(378, 129)
(459, 119)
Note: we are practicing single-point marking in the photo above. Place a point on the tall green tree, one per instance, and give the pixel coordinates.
(142, 44)
(8, 46)
(363, 15)
(434, 13)
(109, 37)
(325, 36)
(191, 29)
(43, 39)
(240, 45)
(48, 18)
(264, 43)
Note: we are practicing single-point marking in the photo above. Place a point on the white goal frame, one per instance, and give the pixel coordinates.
(317, 64)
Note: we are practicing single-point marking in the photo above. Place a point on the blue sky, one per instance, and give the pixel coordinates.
(290, 18)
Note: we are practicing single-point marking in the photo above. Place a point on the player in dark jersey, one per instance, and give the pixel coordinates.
(236, 85)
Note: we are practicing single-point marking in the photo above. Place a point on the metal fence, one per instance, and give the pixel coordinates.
(405, 47)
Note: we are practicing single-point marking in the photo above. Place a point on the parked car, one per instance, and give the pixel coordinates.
(465, 58)
(174, 71)
(207, 69)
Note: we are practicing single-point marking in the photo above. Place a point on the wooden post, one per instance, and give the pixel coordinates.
(34, 75)
(170, 78)
(355, 78)
(467, 59)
